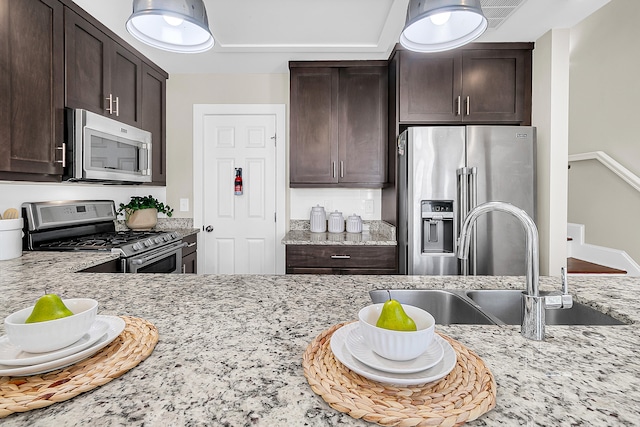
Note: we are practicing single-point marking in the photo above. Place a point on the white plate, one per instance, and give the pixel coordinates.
(13, 356)
(440, 370)
(115, 327)
(359, 349)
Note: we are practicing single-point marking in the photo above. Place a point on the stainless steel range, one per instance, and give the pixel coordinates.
(89, 226)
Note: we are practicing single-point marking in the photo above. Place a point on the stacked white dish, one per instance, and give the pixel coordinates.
(97, 334)
(353, 349)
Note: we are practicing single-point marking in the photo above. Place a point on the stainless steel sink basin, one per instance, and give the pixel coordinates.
(506, 305)
(487, 307)
(446, 307)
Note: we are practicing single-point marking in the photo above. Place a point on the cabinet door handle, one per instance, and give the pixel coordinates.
(64, 155)
(190, 245)
(340, 256)
(184, 268)
(333, 167)
(117, 102)
(110, 107)
(468, 105)
(459, 107)
(341, 169)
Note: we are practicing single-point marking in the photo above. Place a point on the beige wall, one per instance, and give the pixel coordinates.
(185, 90)
(603, 115)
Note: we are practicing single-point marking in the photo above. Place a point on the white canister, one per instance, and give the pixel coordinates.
(354, 224)
(336, 222)
(10, 238)
(318, 220)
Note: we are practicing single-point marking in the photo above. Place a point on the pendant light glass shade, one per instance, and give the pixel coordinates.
(438, 25)
(173, 25)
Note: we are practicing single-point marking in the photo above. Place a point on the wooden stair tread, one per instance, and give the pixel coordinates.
(578, 266)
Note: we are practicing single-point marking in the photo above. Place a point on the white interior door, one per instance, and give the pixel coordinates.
(240, 233)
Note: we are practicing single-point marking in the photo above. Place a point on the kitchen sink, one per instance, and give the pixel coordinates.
(446, 307)
(506, 305)
(487, 307)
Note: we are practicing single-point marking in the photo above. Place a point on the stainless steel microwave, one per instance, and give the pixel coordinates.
(104, 150)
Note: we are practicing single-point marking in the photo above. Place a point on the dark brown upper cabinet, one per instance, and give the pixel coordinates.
(31, 90)
(154, 89)
(481, 83)
(102, 76)
(55, 55)
(339, 122)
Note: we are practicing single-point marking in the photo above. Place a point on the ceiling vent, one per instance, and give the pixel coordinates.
(497, 11)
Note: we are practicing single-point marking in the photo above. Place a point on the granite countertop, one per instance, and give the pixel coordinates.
(183, 226)
(374, 233)
(230, 348)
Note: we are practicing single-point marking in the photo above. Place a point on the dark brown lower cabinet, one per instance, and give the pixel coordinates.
(190, 254)
(111, 266)
(341, 259)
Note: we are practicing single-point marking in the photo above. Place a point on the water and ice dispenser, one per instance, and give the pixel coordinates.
(438, 232)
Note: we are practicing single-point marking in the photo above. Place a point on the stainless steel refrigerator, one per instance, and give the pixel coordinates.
(443, 172)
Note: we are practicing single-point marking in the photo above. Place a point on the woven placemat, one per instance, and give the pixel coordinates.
(132, 346)
(466, 393)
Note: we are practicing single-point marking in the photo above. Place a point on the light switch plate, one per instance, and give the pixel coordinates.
(184, 205)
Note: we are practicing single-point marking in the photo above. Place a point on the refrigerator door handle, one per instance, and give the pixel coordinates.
(463, 210)
(468, 197)
(473, 202)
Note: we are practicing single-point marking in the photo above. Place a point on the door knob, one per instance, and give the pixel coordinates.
(209, 229)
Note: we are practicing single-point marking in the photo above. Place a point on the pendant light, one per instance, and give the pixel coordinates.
(173, 25)
(438, 25)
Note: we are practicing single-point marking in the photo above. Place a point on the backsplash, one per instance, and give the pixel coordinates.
(16, 193)
(362, 202)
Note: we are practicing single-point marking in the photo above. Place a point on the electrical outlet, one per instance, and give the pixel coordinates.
(368, 206)
(184, 205)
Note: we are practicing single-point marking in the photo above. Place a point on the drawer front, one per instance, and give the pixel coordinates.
(192, 244)
(341, 256)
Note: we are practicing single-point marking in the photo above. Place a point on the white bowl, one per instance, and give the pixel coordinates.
(397, 345)
(51, 335)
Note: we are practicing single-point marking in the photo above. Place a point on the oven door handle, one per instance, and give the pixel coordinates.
(159, 254)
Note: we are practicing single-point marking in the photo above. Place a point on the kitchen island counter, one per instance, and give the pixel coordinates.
(230, 348)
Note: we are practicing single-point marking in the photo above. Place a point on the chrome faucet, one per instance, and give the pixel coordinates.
(533, 319)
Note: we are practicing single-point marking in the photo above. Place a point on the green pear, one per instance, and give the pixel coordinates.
(48, 307)
(393, 317)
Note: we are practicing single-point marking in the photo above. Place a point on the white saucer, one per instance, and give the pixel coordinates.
(14, 356)
(115, 327)
(440, 370)
(359, 349)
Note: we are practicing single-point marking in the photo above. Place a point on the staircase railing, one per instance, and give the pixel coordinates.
(615, 167)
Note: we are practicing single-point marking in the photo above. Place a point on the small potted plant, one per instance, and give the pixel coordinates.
(141, 213)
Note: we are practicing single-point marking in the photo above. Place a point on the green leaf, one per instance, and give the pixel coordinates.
(144, 202)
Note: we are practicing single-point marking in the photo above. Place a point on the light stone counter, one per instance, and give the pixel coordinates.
(230, 348)
(377, 233)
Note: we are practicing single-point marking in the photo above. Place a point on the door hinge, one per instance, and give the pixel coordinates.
(275, 217)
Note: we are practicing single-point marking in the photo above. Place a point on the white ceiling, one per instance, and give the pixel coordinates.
(261, 36)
